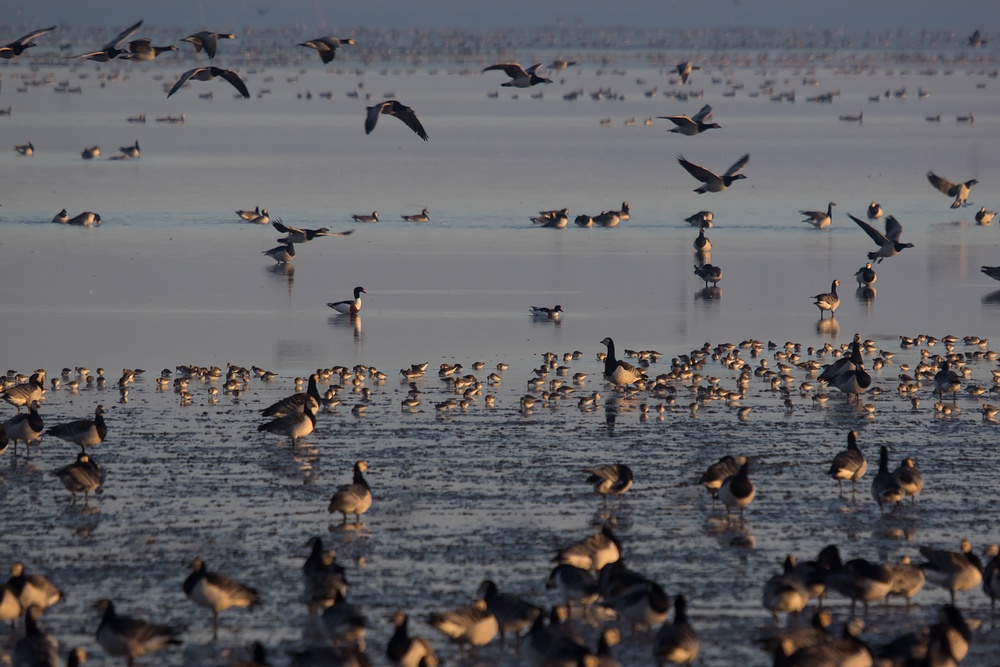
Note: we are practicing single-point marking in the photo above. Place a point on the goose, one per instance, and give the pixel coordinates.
(207, 40)
(294, 403)
(618, 372)
(131, 151)
(684, 69)
(960, 191)
(217, 592)
(885, 487)
(910, 480)
(738, 491)
(519, 77)
(875, 211)
(625, 213)
(866, 275)
(827, 301)
(857, 580)
(297, 235)
(701, 219)
(591, 553)
(947, 381)
(991, 577)
(992, 271)
(32, 590)
(512, 613)
(209, 73)
(612, 479)
(329, 656)
(295, 425)
(907, 579)
(14, 49)
(26, 428)
(546, 313)
(702, 244)
(852, 379)
(695, 124)
(554, 220)
(366, 218)
(644, 605)
(711, 181)
(143, 51)
(327, 47)
(607, 219)
(719, 471)
(85, 219)
(397, 110)
(130, 638)
(844, 650)
(820, 219)
(141, 118)
(249, 215)
(27, 392)
(323, 577)
(423, 216)
(354, 498)
(351, 306)
(62, 217)
(406, 651)
(849, 464)
(676, 642)
(956, 571)
(261, 218)
(983, 217)
(112, 49)
(82, 476)
(36, 648)
(473, 625)
(574, 584)
(860, 118)
(29, 149)
(282, 254)
(785, 592)
(888, 243)
(709, 273)
(83, 432)
(583, 220)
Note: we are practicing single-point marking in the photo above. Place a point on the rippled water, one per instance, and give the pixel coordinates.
(170, 278)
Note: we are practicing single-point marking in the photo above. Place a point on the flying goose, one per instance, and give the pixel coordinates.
(111, 50)
(208, 41)
(888, 243)
(14, 49)
(297, 235)
(354, 498)
(83, 432)
(992, 271)
(519, 77)
(217, 592)
(828, 301)
(960, 191)
(327, 47)
(398, 110)
(694, 125)
(142, 50)
(130, 638)
(820, 219)
(618, 372)
(711, 181)
(209, 73)
(685, 68)
(350, 306)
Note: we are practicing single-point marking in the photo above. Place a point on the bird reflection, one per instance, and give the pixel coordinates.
(285, 271)
(992, 299)
(346, 322)
(702, 257)
(828, 327)
(866, 294)
(708, 294)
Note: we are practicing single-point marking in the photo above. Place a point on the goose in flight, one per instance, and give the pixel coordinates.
(18, 46)
(519, 77)
(888, 243)
(113, 48)
(207, 40)
(712, 182)
(326, 47)
(694, 125)
(960, 191)
(209, 73)
(297, 235)
(400, 111)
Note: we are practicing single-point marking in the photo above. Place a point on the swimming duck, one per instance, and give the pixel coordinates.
(702, 244)
(354, 498)
(889, 245)
(131, 151)
(406, 651)
(612, 479)
(820, 219)
(849, 464)
(473, 625)
(209, 73)
(281, 254)
(111, 50)
(875, 211)
(701, 219)
(397, 110)
(83, 432)
(130, 638)
(423, 216)
(29, 149)
(91, 153)
(217, 592)
(366, 218)
(294, 403)
(618, 372)
(685, 68)
(956, 571)
(548, 313)
(711, 181)
(947, 381)
(297, 235)
(695, 124)
(738, 491)
(676, 642)
(866, 275)
(13, 49)
(828, 301)
(143, 51)
(82, 476)
(36, 648)
(983, 217)
(327, 47)
(513, 614)
(295, 425)
(351, 306)
(960, 191)
(208, 41)
(709, 273)
(519, 77)
(885, 486)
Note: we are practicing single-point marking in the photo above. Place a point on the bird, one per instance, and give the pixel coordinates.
(473, 624)
(130, 638)
(546, 313)
(702, 244)
(423, 216)
(828, 301)
(907, 579)
(83, 432)
(785, 592)
(718, 472)
(857, 579)
(32, 590)
(294, 403)
(960, 191)
(398, 110)
(282, 254)
(992, 271)
(217, 592)
(710, 273)
(519, 77)
(207, 40)
(875, 211)
(142, 50)
(694, 125)
(991, 577)
(29, 149)
(865, 275)
(209, 73)
(711, 181)
(616, 371)
(593, 552)
(14, 49)
(297, 235)
(885, 486)
(350, 306)
(249, 215)
(738, 491)
(850, 378)
(295, 425)
(85, 219)
(820, 219)
(625, 213)
(956, 571)
(947, 381)
(91, 153)
(676, 642)
(888, 243)
(26, 393)
(406, 651)
(513, 614)
(24, 427)
(366, 218)
(910, 480)
(849, 464)
(701, 219)
(36, 648)
(607, 219)
(82, 476)
(326, 47)
(612, 479)
(684, 69)
(131, 151)
(983, 217)
(354, 498)
(62, 217)
(112, 49)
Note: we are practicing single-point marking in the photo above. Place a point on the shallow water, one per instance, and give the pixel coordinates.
(170, 278)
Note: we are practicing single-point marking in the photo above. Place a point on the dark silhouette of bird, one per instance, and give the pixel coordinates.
(209, 73)
(400, 111)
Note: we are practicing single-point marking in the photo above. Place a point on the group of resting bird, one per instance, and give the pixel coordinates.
(559, 218)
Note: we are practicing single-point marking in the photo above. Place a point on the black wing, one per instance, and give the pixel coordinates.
(23, 41)
(704, 115)
(699, 172)
(875, 234)
(942, 184)
(283, 229)
(184, 79)
(233, 78)
(893, 229)
(122, 36)
(372, 118)
(738, 165)
(513, 70)
(405, 114)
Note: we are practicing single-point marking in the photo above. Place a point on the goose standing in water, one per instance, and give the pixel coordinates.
(618, 372)
(888, 243)
(910, 480)
(294, 425)
(513, 614)
(695, 125)
(281, 254)
(519, 77)
(36, 648)
(738, 491)
(960, 191)
(397, 110)
(207, 40)
(785, 592)
(711, 181)
(709, 273)
(866, 275)
(947, 381)
(327, 47)
(613, 479)
(875, 211)
(474, 625)
(828, 301)
(217, 592)
(885, 486)
(676, 642)
(294, 403)
(209, 73)
(849, 464)
(702, 244)
(249, 215)
(956, 571)
(82, 476)
(354, 498)
(32, 590)
(820, 219)
(719, 472)
(25, 427)
(130, 638)
(406, 651)
(350, 306)
(83, 432)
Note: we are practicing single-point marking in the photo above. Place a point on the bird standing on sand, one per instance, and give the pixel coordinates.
(616, 371)
(849, 464)
(828, 301)
(354, 498)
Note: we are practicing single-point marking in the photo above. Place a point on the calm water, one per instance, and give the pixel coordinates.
(171, 278)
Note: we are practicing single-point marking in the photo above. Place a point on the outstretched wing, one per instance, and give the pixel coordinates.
(513, 70)
(942, 184)
(327, 232)
(696, 170)
(184, 79)
(680, 121)
(704, 115)
(405, 114)
(372, 118)
(31, 35)
(893, 229)
(122, 36)
(281, 227)
(875, 234)
(234, 79)
(534, 68)
(738, 165)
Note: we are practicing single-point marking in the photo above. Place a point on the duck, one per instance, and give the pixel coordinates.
(701, 219)
(131, 638)
(738, 491)
(885, 486)
(406, 651)
(694, 125)
(366, 218)
(956, 571)
(397, 110)
(710, 181)
(112, 49)
(323, 577)
(875, 211)
(992, 271)
(616, 371)
(354, 498)
(143, 51)
(513, 614)
(888, 243)
(350, 307)
(710, 273)
(83, 432)
(519, 77)
(82, 476)
(217, 592)
(910, 480)
(473, 625)
(209, 73)
(282, 254)
(62, 217)
(423, 216)
(984, 217)
(37, 648)
(32, 590)
(294, 403)
(828, 301)
(85, 219)
(702, 244)
(947, 381)
(207, 40)
(298, 235)
(295, 425)
(676, 642)
(593, 552)
(960, 191)
(545, 312)
(866, 275)
(612, 479)
(327, 46)
(27, 150)
(849, 464)
(91, 153)
(24, 427)
(785, 592)
(718, 472)
(820, 219)
(12, 50)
